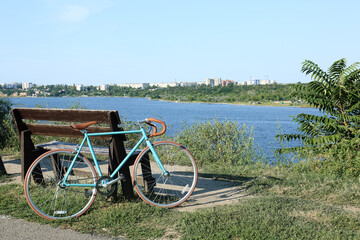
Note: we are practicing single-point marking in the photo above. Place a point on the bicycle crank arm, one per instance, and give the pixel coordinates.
(121, 177)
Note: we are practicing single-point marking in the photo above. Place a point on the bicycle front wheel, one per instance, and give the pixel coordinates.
(45, 192)
(170, 188)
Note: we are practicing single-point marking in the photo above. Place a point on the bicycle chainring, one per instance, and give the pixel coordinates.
(105, 190)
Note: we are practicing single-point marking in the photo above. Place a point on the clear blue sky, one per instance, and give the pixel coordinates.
(96, 42)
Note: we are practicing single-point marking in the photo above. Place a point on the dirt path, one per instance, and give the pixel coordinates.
(208, 192)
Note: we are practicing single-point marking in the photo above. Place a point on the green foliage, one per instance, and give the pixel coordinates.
(342, 159)
(220, 142)
(219, 94)
(7, 132)
(5, 107)
(335, 93)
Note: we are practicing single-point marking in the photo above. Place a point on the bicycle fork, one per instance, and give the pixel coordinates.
(157, 159)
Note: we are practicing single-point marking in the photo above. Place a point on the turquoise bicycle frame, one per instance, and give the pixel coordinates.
(86, 139)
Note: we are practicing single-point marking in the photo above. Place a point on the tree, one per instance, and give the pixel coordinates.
(336, 93)
(5, 107)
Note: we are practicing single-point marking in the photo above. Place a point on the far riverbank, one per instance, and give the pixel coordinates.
(259, 103)
(265, 104)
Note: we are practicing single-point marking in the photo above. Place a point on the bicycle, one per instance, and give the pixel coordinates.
(63, 184)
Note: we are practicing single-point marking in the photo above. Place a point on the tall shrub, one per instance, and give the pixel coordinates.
(331, 138)
(220, 142)
(336, 93)
(5, 107)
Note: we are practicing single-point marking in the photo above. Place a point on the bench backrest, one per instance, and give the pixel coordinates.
(45, 119)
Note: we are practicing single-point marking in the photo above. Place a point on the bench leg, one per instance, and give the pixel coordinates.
(149, 181)
(27, 147)
(58, 169)
(28, 155)
(117, 152)
(2, 168)
(127, 187)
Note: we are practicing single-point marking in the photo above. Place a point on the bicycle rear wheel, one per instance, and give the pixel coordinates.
(47, 197)
(165, 190)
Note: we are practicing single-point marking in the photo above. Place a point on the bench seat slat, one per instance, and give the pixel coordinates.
(64, 130)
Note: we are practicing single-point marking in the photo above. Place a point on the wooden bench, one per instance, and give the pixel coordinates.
(44, 122)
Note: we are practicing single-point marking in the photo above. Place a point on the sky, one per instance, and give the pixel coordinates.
(141, 41)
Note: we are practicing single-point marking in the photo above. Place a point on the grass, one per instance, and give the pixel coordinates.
(272, 217)
(4, 177)
(282, 205)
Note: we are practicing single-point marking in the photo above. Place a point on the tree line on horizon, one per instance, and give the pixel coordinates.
(199, 93)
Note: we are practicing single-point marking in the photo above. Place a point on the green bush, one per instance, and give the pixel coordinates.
(342, 160)
(330, 141)
(221, 143)
(8, 135)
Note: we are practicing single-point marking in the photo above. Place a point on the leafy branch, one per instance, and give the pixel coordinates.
(336, 94)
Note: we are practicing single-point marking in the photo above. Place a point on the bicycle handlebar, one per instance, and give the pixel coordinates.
(155, 133)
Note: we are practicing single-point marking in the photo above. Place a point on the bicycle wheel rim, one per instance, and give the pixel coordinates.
(165, 191)
(47, 198)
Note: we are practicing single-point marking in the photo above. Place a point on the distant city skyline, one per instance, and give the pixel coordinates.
(208, 81)
(115, 41)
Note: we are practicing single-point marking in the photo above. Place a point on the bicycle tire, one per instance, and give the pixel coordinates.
(157, 189)
(47, 197)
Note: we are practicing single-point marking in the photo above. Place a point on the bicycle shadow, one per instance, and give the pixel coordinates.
(213, 190)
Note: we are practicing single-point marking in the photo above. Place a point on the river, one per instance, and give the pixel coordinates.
(265, 121)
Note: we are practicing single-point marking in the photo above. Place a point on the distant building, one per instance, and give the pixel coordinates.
(79, 87)
(134, 85)
(104, 87)
(213, 81)
(227, 82)
(26, 85)
(10, 85)
(165, 85)
(257, 82)
(188, 84)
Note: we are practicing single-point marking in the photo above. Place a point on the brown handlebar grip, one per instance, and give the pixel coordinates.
(155, 133)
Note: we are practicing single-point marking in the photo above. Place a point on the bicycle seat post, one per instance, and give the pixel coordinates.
(83, 131)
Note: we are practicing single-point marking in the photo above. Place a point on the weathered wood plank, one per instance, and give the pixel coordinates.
(69, 115)
(64, 130)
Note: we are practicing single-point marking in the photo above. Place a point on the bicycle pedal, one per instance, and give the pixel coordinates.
(122, 177)
(88, 193)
